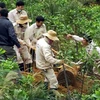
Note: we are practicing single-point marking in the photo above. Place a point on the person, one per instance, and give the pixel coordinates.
(2, 5)
(14, 14)
(24, 57)
(7, 35)
(89, 45)
(8, 39)
(45, 58)
(33, 33)
(86, 41)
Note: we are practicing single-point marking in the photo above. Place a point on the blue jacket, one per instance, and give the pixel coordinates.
(7, 33)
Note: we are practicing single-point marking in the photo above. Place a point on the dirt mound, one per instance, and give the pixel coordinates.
(76, 85)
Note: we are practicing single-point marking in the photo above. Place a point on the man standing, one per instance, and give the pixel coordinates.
(15, 13)
(7, 35)
(7, 40)
(45, 58)
(34, 32)
(24, 57)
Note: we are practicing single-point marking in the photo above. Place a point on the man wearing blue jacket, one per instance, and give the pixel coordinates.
(7, 35)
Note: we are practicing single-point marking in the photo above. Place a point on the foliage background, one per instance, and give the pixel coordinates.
(66, 16)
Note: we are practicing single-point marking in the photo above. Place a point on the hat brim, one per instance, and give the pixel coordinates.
(23, 21)
(51, 37)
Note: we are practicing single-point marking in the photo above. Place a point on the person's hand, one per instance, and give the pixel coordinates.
(20, 49)
(32, 47)
(61, 62)
(69, 36)
(22, 42)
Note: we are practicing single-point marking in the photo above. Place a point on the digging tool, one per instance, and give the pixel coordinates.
(73, 71)
(78, 63)
(85, 69)
(66, 80)
(74, 63)
(65, 75)
(32, 59)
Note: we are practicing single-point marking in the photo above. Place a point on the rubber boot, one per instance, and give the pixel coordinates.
(21, 66)
(28, 66)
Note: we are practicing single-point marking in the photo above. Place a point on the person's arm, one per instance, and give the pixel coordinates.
(90, 47)
(12, 34)
(49, 58)
(74, 37)
(45, 28)
(21, 41)
(77, 38)
(11, 18)
(98, 49)
(28, 34)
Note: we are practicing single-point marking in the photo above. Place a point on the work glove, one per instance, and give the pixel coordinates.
(61, 62)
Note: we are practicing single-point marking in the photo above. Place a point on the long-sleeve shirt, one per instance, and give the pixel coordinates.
(20, 32)
(13, 15)
(89, 47)
(7, 33)
(44, 55)
(33, 33)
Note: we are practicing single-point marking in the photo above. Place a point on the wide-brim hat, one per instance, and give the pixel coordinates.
(52, 35)
(23, 19)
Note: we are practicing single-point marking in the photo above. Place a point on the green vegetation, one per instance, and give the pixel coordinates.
(63, 16)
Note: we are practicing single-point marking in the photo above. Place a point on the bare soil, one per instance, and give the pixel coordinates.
(87, 84)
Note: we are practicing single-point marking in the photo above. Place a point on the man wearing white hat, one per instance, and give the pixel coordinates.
(45, 59)
(24, 56)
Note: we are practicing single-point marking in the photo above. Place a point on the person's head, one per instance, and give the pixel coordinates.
(20, 5)
(4, 13)
(51, 36)
(2, 5)
(23, 21)
(86, 40)
(39, 21)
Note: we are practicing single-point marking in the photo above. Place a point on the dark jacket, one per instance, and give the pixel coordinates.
(7, 33)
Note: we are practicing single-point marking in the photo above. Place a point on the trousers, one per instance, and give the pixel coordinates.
(51, 78)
